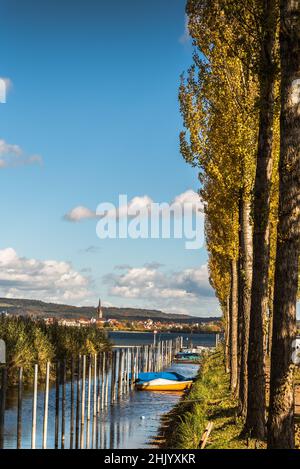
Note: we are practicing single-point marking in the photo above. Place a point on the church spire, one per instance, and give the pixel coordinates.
(99, 310)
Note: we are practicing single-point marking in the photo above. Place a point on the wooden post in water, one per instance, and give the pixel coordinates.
(19, 417)
(56, 405)
(124, 376)
(132, 368)
(120, 372)
(34, 406)
(106, 379)
(83, 401)
(127, 371)
(88, 417)
(46, 406)
(113, 377)
(63, 403)
(72, 404)
(100, 397)
(96, 399)
(103, 365)
(150, 357)
(78, 402)
(2, 404)
(140, 359)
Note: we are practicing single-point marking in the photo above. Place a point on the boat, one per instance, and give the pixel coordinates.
(163, 381)
(187, 357)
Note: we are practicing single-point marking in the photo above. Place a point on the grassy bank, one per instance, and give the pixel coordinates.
(208, 401)
(29, 342)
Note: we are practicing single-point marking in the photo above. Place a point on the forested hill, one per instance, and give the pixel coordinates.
(42, 309)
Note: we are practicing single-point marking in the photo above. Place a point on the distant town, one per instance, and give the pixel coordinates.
(98, 317)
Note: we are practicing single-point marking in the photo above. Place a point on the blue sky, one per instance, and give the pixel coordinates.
(93, 109)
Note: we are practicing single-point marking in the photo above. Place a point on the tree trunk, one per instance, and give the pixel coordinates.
(255, 420)
(246, 281)
(234, 327)
(281, 417)
(227, 336)
(270, 321)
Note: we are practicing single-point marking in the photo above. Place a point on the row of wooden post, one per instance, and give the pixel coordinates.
(95, 382)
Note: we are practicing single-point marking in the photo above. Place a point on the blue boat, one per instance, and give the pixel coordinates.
(163, 381)
(172, 375)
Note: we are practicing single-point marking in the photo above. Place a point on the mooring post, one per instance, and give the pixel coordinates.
(96, 399)
(124, 380)
(34, 406)
(78, 402)
(83, 401)
(57, 369)
(99, 404)
(19, 417)
(150, 358)
(127, 370)
(72, 404)
(113, 375)
(63, 403)
(103, 365)
(2, 404)
(106, 378)
(88, 416)
(140, 358)
(147, 357)
(120, 359)
(46, 406)
(132, 368)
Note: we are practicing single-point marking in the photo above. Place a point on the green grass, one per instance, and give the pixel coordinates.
(208, 401)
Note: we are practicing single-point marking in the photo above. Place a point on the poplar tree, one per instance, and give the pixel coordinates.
(281, 430)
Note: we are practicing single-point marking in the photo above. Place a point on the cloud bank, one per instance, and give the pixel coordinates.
(187, 291)
(49, 280)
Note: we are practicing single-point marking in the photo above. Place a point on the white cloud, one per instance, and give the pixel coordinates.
(80, 213)
(12, 155)
(7, 148)
(186, 291)
(47, 280)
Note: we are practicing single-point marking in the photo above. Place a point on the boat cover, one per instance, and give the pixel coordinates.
(170, 375)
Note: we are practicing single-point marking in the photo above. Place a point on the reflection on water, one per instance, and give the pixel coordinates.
(130, 423)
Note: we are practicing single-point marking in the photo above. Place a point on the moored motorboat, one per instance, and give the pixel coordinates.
(187, 357)
(164, 381)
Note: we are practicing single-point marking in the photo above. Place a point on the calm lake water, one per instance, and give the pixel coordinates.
(144, 338)
(131, 423)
